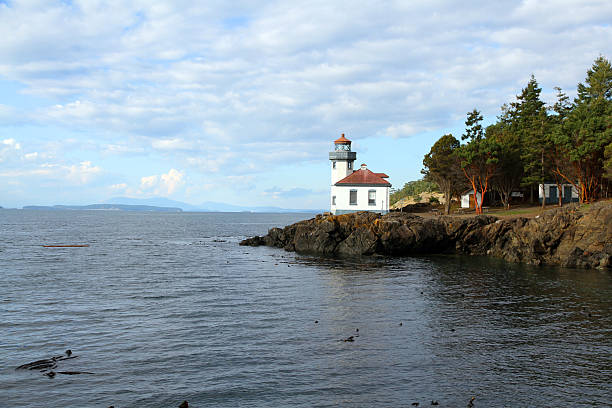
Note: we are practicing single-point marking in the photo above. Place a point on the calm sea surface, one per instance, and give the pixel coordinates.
(162, 308)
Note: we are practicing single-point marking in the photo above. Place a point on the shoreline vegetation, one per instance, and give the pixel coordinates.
(577, 236)
(567, 144)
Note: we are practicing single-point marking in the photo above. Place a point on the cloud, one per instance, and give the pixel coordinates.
(83, 173)
(8, 148)
(166, 73)
(66, 175)
(236, 89)
(119, 187)
(164, 184)
(172, 144)
(11, 143)
(403, 129)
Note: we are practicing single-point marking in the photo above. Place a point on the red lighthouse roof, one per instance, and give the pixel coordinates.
(363, 176)
(342, 140)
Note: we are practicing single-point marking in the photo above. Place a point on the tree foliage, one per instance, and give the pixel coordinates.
(587, 130)
(608, 162)
(441, 165)
(413, 189)
(569, 142)
(478, 157)
(509, 172)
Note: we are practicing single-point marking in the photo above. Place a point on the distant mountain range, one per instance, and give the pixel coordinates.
(165, 205)
(117, 207)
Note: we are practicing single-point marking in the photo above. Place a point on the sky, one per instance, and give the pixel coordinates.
(240, 101)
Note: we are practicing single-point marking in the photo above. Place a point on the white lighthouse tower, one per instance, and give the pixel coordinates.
(342, 159)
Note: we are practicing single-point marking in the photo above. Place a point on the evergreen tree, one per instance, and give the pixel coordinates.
(442, 167)
(530, 122)
(608, 167)
(478, 157)
(587, 131)
(555, 156)
(608, 162)
(509, 167)
(598, 83)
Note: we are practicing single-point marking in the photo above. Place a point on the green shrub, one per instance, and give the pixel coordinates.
(413, 189)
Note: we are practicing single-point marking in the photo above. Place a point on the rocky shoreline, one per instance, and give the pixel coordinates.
(571, 236)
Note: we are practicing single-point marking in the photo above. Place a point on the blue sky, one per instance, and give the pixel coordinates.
(240, 101)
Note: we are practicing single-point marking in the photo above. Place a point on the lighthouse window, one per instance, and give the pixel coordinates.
(353, 197)
(333, 200)
(371, 197)
(350, 165)
(333, 165)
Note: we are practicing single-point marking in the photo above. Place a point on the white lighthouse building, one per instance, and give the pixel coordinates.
(355, 190)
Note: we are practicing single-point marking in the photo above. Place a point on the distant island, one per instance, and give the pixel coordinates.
(162, 204)
(107, 207)
(207, 206)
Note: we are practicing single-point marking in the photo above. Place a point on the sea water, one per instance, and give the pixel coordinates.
(166, 307)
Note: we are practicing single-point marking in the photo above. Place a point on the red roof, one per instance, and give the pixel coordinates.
(364, 176)
(382, 175)
(342, 140)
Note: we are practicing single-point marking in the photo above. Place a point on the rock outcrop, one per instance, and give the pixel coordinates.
(569, 236)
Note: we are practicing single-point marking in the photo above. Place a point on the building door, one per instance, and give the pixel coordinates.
(552, 195)
(567, 194)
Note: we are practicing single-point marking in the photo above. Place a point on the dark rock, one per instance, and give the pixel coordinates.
(568, 236)
(416, 208)
(184, 404)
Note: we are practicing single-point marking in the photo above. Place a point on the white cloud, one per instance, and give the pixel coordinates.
(119, 187)
(11, 143)
(403, 129)
(76, 174)
(8, 148)
(172, 144)
(230, 87)
(83, 173)
(164, 184)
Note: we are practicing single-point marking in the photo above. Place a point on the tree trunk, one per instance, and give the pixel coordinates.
(544, 185)
(447, 201)
(505, 198)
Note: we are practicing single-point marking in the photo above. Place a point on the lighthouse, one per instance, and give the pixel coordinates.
(342, 159)
(355, 190)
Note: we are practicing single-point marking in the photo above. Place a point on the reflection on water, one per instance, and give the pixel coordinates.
(167, 307)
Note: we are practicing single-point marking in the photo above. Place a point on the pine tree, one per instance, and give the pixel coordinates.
(587, 130)
(509, 167)
(478, 157)
(441, 166)
(530, 122)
